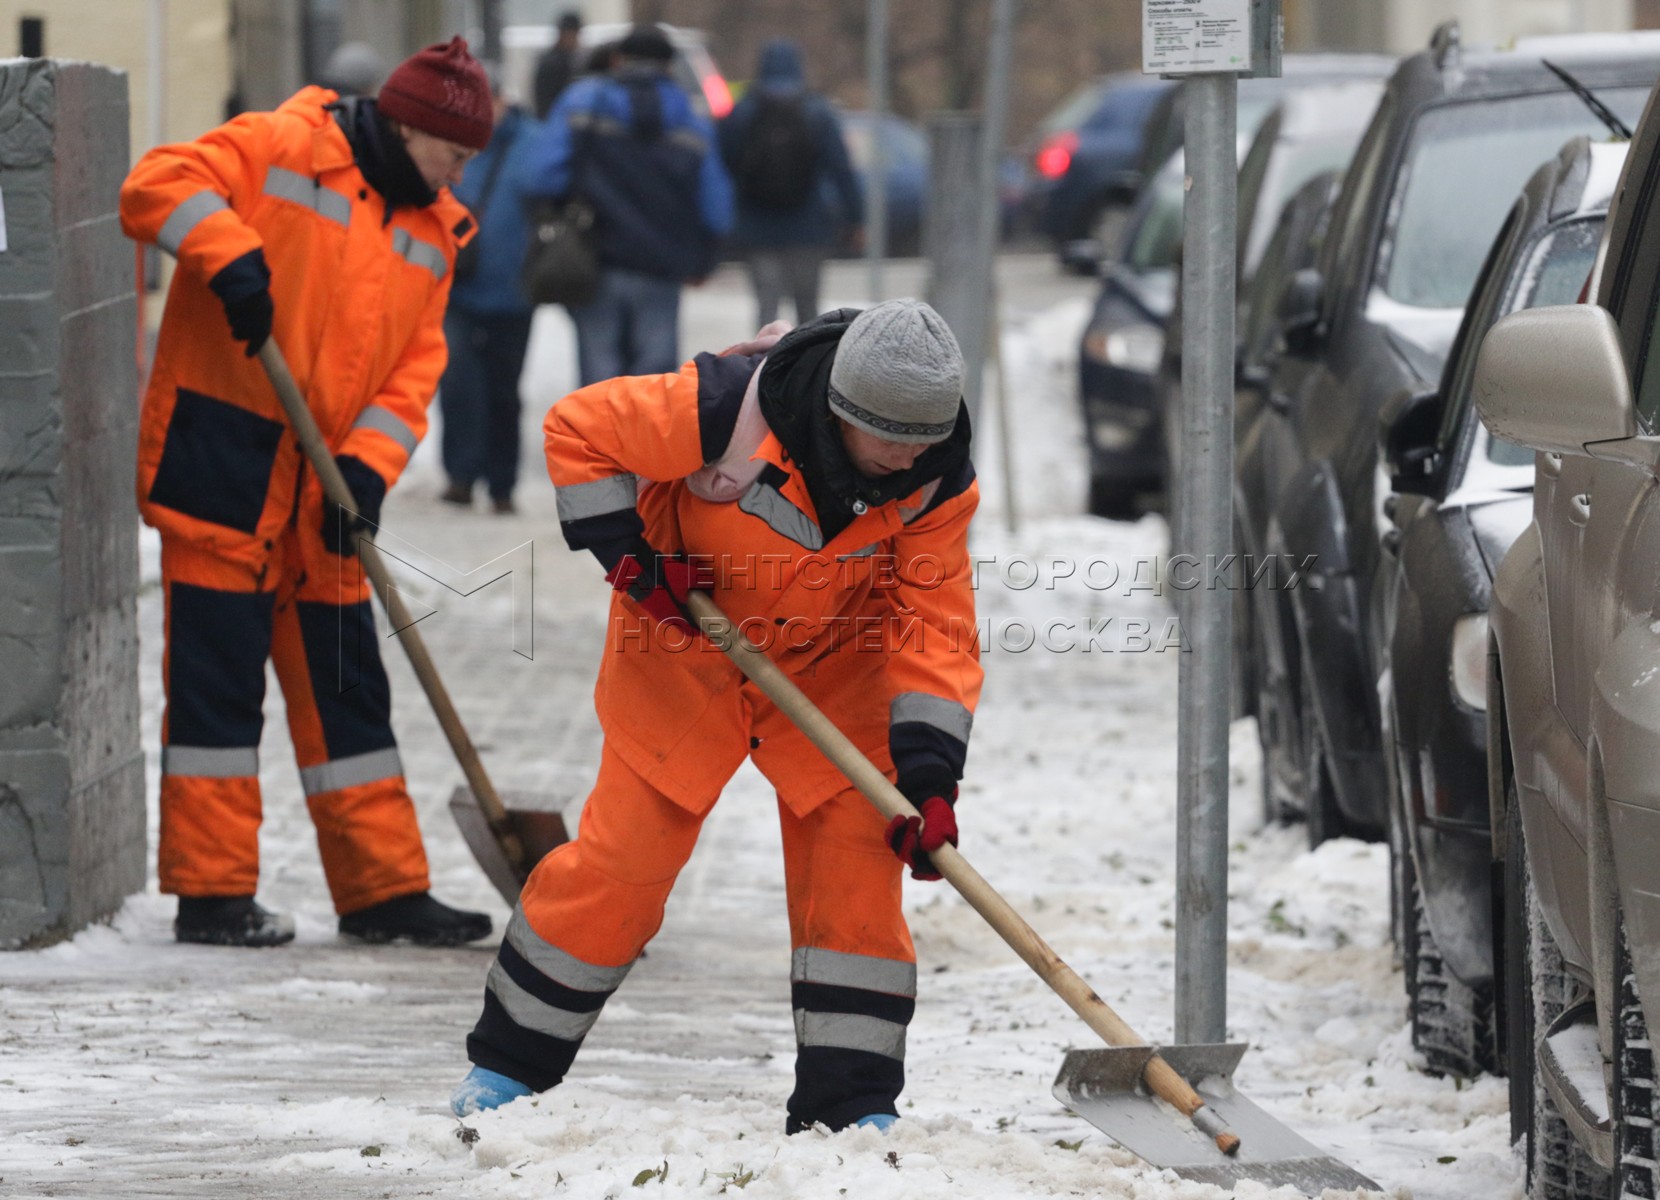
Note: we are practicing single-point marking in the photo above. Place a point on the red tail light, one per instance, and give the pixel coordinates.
(1055, 155)
(717, 94)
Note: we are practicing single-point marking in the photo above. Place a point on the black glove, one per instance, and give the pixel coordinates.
(244, 288)
(368, 490)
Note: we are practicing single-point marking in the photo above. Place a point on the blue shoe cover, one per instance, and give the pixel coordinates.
(878, 1121)
(484, 1089)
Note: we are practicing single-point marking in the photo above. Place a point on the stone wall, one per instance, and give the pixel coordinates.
(72, 823)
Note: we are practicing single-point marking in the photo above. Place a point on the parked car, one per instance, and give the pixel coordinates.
(693, 67)
(1574, 763)
(1166, 127)
(1087, 157)
(1460, 497)
(1122, 345)
(1455, 137)
(1309, 131)
(1262, 630)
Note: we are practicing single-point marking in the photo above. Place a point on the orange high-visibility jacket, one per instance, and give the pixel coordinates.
(875, 624)
(359, 305)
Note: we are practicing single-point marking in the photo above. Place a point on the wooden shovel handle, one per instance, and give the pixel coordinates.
(317, 452)
(1161, 1079)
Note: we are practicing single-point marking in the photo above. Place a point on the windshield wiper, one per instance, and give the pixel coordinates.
(1603, 113)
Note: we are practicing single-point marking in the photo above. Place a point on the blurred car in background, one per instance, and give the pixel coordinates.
(1163, 131)
(1086, 157)
(693, 67)
(1122, 347)
(1130, 360)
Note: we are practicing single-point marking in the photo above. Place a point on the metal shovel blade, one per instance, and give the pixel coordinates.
(538, 820)
(1104, 1088)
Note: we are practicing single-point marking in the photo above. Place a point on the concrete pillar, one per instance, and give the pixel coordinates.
(72, 841)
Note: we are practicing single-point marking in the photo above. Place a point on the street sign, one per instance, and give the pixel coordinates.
(1189, 37)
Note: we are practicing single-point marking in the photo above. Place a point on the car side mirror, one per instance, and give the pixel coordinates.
(1298, 310)
(1408, 438)
(1555, 379)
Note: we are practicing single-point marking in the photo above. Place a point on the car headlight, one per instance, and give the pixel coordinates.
(1138, 348)
(1469, 660)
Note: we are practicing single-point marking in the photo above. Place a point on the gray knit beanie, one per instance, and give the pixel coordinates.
(898, 373)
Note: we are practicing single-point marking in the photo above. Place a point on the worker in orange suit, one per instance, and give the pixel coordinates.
(821, 489)
(328, 225)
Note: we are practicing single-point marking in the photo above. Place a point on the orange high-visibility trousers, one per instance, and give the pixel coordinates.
(591, 906)
(308, 611)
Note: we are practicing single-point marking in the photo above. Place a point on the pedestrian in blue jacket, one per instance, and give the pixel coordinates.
(631, 145)
(487, 324)
(797, 193)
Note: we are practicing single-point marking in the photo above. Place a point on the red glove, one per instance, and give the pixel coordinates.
(914, 838)
(661, 583)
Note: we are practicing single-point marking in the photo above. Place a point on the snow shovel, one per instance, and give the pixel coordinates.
(507, 842)
(1138, 1095)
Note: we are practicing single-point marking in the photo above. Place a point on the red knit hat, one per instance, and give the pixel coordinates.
(441, 90)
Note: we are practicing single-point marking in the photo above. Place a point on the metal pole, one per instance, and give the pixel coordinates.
(1205, 521)
(998, 58)
(876, 191)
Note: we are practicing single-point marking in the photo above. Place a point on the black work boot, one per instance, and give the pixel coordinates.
(418, 918)
(230, 921)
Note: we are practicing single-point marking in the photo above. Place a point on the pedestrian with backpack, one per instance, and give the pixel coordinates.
(630, 147)
(796, 191)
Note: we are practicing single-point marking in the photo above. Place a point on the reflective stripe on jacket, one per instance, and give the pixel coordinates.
(359, 303)
(875, 624)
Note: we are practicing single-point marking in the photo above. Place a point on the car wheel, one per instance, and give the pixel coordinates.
(1452, 1023)
(1557, 1167)
(1636, 1091)
(1325, 819)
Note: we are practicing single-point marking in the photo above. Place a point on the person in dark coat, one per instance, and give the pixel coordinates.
(487, 324)
(797, 193)
(560, 63)
(632, 145)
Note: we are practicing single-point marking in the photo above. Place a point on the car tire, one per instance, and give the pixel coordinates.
(1452, 1022)
(1557, 1167)
(1636, 1091)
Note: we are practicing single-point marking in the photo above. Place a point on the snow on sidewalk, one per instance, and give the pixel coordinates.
(131, 1066)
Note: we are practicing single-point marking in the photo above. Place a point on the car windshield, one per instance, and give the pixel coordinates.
(1555, 273)
(1464, 168)
(1155, 240)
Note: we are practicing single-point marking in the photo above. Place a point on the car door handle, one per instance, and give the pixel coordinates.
(1579, 509)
